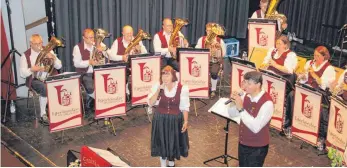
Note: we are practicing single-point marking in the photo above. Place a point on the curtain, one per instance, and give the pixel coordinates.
(74, 16)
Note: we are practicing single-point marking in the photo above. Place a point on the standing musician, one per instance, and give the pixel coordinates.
(320, 74)
(161, 44)
(28, 69)
(84, 64)
(282, 61)
(339, 87)
(118, 50)
(217, 48)
(255, 109)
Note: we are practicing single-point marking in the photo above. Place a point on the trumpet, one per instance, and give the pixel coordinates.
(301, 75)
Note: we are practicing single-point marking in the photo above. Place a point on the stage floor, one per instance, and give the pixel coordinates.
(132, 143)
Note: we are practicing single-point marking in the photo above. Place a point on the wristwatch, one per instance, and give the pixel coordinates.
(241, 110)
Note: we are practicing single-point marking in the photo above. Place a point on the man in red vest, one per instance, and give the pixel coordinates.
(28, 69)
(218, 52)
(255, 109)
(161, 44)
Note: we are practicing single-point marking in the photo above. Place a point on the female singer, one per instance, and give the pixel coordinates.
(320, 74)
(169, 138)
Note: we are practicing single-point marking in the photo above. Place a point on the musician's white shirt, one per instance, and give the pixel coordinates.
(199, 45)
(114, 49)
(157, 43)
(184, 97)
(255, 16)
(328, 76)
(77, 57)
(255, 124)
(290, 62)
(25, 71)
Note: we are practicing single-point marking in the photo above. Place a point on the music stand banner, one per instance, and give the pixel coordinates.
(277, 89)
(64, 104)
(109, 84)
(194, 72)
(337, 127)
(261, 35)
(145, 72)
(237, 72)
(91, 159)
(307, 107)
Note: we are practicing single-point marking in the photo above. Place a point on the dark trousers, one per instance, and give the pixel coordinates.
(88, 82)
(252, 156)
(39, 87)
(324, 117)
(289, 104)
(170, 61)
(214, 69)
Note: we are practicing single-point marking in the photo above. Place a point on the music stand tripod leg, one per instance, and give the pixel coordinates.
(196, 113)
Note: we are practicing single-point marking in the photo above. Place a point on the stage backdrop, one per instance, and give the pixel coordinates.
(74, 16)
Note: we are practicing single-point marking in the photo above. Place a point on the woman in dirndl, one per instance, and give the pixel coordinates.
(169, 138)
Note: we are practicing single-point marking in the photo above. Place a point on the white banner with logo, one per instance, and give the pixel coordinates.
(261, 35)
(337, 127)
(307, 107)
(194, 72)
(237, 72)
(277, 90)
(110, 99)
(145, 72)
(64, 104)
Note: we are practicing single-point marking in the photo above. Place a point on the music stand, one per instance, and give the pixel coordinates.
(225, 156)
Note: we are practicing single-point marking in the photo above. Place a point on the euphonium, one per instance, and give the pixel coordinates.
(141, 35)
(339, 89)
(174, 39)
(271, 13)
(100, 35)
(210, 42)
(47, 63)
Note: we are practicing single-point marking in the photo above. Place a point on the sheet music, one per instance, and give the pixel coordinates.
(111, 158)
(220, 108)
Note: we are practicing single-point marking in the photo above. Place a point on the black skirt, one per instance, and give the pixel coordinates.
(167, 140)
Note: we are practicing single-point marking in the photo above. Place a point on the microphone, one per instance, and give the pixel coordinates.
(232, 99)
(343, 27)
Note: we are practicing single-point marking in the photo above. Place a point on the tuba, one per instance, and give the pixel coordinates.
(271, 13)
(216, 30)
(45, 62)
(141, 35)
(174, 38)
(100, 35)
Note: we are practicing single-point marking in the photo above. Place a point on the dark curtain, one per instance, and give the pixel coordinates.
(74, 16)
(315, 20)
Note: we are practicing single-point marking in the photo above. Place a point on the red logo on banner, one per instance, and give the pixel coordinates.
(146, 73)
(240, 75)
(110, 86)
(306, 107)
(272, 92)
(262, 38)
(64, 98)
(338, 121)
(194, 68)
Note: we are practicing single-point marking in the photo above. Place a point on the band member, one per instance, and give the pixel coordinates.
(28, 69)
(161, 44)
(170, 121)
(320, 74)
(255, 109)
(117, 50)
(339, 87)
(218, 52)
(83, 63)
(282, 61)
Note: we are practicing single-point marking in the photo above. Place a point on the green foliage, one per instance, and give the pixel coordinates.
(335, 157)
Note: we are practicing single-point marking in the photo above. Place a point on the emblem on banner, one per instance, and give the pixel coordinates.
(64, 97)
(110, 85)
(194, 67)
(306, 107)
(338, 121)
(262, 38)
(240, 76)
(272, 92)
(146, 73)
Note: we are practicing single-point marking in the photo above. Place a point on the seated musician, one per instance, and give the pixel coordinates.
(161, 43)
(84, 64)
(119, 46)
(320, 74)
(339, 87)
(282, 61)
(28, 69)
(217, 48)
